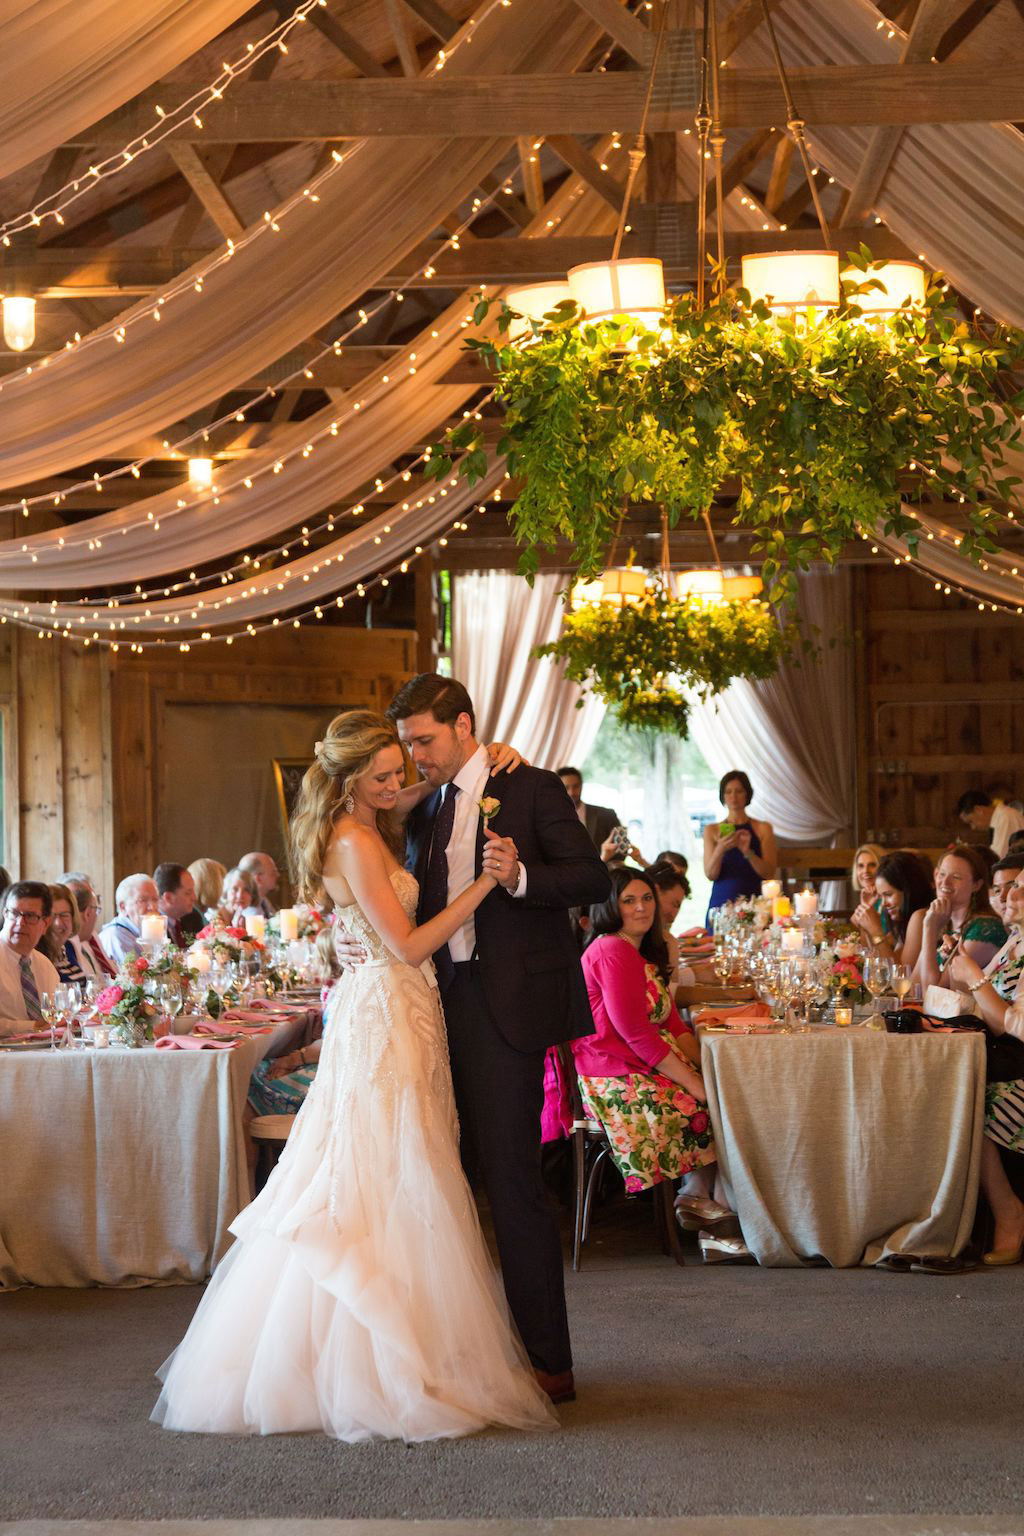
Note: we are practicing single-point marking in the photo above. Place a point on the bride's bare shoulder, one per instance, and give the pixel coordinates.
(352, 840)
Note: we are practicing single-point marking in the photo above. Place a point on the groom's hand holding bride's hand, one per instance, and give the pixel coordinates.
(501, 859)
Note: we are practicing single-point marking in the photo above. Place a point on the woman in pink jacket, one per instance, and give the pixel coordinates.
(639, 1073)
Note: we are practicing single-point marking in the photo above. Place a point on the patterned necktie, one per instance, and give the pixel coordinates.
(434, 896)
(29, 990)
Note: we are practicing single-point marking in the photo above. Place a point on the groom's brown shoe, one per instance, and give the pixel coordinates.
(559, 1387)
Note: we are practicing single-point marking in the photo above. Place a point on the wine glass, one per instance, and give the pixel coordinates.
(49, 1016)
(877, 974)
(901, 979)
(62, 1006)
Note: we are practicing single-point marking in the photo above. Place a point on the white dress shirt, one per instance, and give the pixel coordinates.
(471, 780)
(12, 999)
(1005, 822)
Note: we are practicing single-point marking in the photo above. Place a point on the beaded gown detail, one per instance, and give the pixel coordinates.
(359, 1297)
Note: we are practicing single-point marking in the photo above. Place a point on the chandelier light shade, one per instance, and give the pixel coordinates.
(19, 321)
(633, 288)
(704, 586)
(789, 281)
(200, 473)
(904, 281)
(740, 589)
(533, 303)
(622, 587)
(584, 592)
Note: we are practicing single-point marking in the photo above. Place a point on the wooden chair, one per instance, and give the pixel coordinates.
(269, 1134)
(591, 1149)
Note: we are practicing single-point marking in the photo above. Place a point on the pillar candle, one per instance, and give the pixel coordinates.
(289, 925)
(256, 925)
(771, 888)
(200, 961)
(782, 907)
(153, 928)
(792, 940)
(806, 903)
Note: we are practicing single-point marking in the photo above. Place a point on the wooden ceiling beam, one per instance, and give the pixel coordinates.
(580, 160)
(347, 44)
(443, 26)
(59, 273)
(207, 188)
(742, 163)
(622, 27)
(746, 17)
(398, 21)
(481, 107)
(932, 20)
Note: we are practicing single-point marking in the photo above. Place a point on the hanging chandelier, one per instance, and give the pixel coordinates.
(19, 321)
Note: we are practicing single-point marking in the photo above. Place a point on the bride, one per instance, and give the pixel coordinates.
(358, 1297)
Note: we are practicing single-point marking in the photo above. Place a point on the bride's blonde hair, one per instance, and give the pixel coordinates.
(351, 743)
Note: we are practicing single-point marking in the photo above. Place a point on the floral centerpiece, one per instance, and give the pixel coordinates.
(848, 973)
(130, 1004)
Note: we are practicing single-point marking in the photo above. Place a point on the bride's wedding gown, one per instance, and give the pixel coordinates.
(358, 1297)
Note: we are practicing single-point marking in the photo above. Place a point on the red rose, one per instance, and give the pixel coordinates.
(109, 999)
(235, 933)
(699, 1122)
(207, 932)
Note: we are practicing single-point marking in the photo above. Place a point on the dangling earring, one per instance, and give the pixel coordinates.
(349, 804)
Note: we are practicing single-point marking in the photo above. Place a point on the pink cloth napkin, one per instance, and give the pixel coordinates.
(193, 1043)
(31, 1034)
(729, 1018)
(219, 1032)
(260, 1015)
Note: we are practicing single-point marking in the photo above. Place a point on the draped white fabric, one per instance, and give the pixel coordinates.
(277, 289)
(793, 733)
(496, 622)
(954, 193)
(67, 63)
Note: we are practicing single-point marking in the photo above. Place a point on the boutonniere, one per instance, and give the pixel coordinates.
(489, 808)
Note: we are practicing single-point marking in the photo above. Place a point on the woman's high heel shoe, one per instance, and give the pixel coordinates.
(997, 1257)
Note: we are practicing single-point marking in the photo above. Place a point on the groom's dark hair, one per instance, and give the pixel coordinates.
(443, 697)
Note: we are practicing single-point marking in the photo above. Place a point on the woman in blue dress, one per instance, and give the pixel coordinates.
(739, 851)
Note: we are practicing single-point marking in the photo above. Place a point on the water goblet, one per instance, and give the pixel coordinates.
(901, 980)
(877, 974)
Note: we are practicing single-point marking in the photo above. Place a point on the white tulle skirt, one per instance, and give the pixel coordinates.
(359, 1298)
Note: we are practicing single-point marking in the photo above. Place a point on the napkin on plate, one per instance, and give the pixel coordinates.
(225, 1029)
(729, 1018)
(193, 1043)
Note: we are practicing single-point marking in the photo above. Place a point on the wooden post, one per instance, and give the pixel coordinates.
(426, 614)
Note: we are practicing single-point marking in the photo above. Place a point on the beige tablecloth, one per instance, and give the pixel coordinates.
(848, 1145)
(120, 1167)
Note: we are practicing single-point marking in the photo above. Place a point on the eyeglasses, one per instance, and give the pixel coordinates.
(25, 917)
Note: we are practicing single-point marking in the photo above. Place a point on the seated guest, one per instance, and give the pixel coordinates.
(999, 992)
(862, 875)
(960, 917)
(1003, 876)
(25, 972)
(5, 881)
(208, 878)
(91, 954)
(977, 810)
(278, 1087)
(134, 897)
(263, 870)
(677, 860)
(60, 941)
(598, 819)
(672, 889)
(904, 886)
(739, 852)
(176, 893)
(239, 899)
(639, 1073)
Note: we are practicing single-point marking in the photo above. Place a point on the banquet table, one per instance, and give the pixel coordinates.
(126, 1168)
(847, 1145)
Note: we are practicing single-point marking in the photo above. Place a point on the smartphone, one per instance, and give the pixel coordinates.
(619, 839)
(726, 829)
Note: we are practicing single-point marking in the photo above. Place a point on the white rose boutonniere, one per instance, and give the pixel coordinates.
(489, 808)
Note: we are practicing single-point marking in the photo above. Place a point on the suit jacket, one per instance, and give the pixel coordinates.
(599, 820)
(526, 957)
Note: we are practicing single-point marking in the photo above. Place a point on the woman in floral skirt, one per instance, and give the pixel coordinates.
(639, 1073)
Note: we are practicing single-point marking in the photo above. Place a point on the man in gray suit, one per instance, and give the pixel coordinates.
(598, 819)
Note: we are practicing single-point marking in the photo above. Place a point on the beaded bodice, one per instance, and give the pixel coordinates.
(358, 924)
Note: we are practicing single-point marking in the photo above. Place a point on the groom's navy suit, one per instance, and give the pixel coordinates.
(522, 991)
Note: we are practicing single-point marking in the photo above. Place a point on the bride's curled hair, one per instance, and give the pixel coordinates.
(350, 744)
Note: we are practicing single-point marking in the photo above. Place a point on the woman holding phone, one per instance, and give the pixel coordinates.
(739, 851)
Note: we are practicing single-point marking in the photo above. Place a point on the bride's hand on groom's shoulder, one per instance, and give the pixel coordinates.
(505, 759)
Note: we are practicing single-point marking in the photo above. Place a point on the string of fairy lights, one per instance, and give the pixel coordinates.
(272, 223)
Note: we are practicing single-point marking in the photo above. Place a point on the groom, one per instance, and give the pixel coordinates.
(510, 980)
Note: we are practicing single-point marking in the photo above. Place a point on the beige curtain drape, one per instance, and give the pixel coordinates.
(793, 733)
(67, 63)
(279, 288)
(497, 619)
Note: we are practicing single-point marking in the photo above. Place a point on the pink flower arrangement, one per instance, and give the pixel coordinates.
(109, 998)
